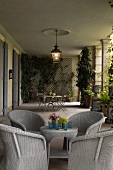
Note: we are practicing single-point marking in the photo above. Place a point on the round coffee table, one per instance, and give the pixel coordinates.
(49, 134)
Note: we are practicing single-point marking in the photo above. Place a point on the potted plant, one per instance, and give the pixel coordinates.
(50, 92)
(54, 92)
(88, 94)
(104, 101)
(70, 95)
(62, 121)
(85, 73)
(53, 118)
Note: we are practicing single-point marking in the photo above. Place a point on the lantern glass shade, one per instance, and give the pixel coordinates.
(56, 54)
(56, 57)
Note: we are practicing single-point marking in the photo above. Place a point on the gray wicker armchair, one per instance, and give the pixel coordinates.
(26, 120)
(88, 122)
(91, 152)
(22, 150)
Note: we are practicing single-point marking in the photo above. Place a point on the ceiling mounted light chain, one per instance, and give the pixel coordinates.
(111, 3)
(56, 53)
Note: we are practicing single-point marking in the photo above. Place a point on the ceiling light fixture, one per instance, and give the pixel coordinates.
(56, 53)
(111, 3)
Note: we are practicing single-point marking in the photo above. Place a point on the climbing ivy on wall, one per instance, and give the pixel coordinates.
(110, 72)
(46, 70)
(26, 75)
(32, 65)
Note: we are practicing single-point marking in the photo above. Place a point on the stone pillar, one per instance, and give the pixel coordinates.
(98, 65)
(92, 55)
(75, 61)
(105, 60)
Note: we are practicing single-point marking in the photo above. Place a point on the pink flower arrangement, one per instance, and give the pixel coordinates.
(53, 117)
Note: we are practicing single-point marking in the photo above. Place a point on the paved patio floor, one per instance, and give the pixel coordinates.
(57, 143)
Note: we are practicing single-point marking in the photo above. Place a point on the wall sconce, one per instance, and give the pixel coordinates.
(10, 74)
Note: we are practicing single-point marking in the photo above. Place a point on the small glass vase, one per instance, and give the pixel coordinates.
(65, 126)
(50, 125)
(60, 125)
(70, 124)
(53, 124)
(56, 125)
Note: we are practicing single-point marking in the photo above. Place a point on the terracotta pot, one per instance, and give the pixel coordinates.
(105, 110)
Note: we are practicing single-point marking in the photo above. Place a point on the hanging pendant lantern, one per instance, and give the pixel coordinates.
(56, 53)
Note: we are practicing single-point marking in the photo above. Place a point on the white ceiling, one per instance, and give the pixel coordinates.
(88, 21)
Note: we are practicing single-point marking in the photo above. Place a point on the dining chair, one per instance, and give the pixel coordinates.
(91, 152)
(42, 101)
(57, 103)
(26, 120)
(61, 103)
(22, 150)
(87, 122)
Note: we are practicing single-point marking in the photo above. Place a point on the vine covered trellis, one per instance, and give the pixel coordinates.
(42, 74)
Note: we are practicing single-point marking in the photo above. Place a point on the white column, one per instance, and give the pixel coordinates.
(75, 61)
(98, 64)
(105, 60)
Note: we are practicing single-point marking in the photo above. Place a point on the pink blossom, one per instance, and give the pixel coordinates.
(53, 116)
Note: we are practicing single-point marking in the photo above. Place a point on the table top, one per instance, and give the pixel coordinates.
(57, 96)
(51, 133)
(45, 95)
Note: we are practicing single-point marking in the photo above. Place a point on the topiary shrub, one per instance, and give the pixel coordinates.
(85, 73)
